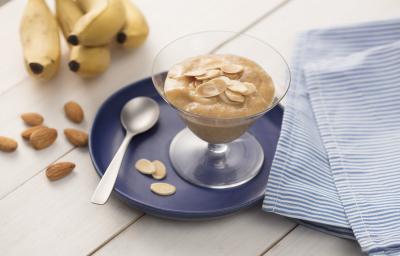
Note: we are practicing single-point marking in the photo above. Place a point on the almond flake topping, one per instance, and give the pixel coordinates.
(239, 87)
(212, 73)
(195, 72)
(211, 88)
(233, 96)
(232, 68)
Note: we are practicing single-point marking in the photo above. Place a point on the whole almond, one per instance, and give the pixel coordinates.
(59, 170)
(32, 119)
(74, 111)
(7, 144)
(43, 138)
(28, 132)
(76, 137)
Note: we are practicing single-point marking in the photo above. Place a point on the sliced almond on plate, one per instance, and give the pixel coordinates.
(163, 189)
(161, 170)
(145, 166)
(234, 96)
(231, 68)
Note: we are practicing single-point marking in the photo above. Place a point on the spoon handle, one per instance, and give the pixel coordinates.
(106, 184)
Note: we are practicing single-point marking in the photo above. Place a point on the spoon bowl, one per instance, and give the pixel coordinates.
(139, 114)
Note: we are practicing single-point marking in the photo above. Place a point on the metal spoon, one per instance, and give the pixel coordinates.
(137, 116)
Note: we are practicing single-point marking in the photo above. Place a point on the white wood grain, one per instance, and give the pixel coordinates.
(10, 52)
(247, 233)
(306, 242)
(167, 20)
(56, 218)
(281, 28)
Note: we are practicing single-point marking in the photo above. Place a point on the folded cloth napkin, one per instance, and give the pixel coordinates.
(338, 158)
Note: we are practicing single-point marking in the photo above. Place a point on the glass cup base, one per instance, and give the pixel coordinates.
(216, 166)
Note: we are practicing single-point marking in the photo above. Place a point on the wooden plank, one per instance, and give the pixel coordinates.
(247, 233)
(11, 69)
(281, 28)
(127, 66)
(303, 241)
(56, 218)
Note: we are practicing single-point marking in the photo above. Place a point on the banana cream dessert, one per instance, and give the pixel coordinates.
(221, 87)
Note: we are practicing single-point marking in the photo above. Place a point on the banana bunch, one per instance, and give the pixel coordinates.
(89, 26)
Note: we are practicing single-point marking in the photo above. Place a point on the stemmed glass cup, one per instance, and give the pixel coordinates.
(219, 152)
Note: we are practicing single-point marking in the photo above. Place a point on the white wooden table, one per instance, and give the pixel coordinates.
(38, 217)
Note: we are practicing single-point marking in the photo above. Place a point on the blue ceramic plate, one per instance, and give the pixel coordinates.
(189, 201)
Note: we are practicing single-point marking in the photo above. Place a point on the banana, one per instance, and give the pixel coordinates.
(40, 40)
(101, 22)
(67, 13)
(89, 61)
(86, 61)
(135, 30)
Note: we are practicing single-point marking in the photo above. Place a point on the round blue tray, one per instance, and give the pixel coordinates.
(189, 201)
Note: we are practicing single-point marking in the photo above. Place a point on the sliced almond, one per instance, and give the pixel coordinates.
(201, 99)
(231, 68)
(251, 88)
(74, 111)
(43, 138)
(236, 76)
(76, 137)
(7, 144)
(176, 71)
(172, 83)
(192, 85)
(32, 119)
(163, 189)
(195, 72)
(239, 87)
(225, 99)
(145, 166)
(213, 66)
(28, 132)
(59, 170)
(211, 88)
(233, 96)
(161, 170)
(212, 73)
(197, 83)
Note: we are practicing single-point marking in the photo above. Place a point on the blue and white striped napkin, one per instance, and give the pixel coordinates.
(338, 157)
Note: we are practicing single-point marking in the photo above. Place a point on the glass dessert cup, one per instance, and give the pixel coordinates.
(214, 152)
